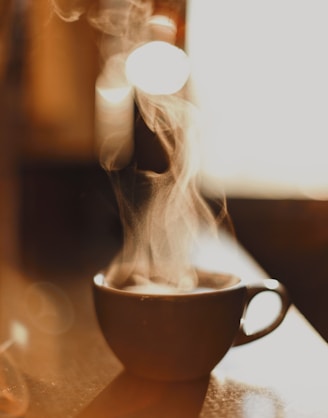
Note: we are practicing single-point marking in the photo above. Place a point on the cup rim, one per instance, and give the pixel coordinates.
(99, 282)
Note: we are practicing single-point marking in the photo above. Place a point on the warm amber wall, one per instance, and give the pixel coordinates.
(61, 66)
(5, 26)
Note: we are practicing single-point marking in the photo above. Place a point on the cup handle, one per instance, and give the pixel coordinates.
(270, 285)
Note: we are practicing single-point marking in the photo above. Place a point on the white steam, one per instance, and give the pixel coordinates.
(163, 213)
(154, 170)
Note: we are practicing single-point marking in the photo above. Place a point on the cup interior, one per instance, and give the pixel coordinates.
(207, 282)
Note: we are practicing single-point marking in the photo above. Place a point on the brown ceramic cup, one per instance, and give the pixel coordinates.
(180, 336)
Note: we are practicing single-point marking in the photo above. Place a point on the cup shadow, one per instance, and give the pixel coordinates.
(132, 397)
(129, 396)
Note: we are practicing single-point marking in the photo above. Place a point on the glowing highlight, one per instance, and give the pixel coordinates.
(157, 68)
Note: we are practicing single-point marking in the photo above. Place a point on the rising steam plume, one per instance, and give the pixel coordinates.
(161, 208)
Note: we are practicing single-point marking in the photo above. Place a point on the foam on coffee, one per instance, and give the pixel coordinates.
(207, 282)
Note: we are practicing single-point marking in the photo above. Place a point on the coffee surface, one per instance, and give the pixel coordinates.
(207, 282)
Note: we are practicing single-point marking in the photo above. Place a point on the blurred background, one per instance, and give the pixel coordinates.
(260, 79)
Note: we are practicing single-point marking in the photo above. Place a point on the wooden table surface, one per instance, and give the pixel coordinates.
(55, 362)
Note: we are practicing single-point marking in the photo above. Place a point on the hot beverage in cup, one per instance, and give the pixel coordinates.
(162, 333)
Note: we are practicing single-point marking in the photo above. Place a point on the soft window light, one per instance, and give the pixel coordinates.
(259, 71)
